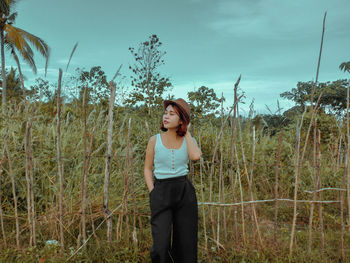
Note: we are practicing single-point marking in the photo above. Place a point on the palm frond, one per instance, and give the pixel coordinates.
(12, 17)
(71, 55)
(6, 6)
(46, 65)
(20, 40)
(345, 66)
(37, 42)
(15, 40)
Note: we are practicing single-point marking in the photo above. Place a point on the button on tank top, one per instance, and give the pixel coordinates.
(170, 162)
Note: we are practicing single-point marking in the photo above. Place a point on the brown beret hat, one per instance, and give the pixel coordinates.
(182, 104)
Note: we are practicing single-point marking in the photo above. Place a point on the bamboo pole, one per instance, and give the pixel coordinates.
(220, 183)
(28, 165)
(214, 157)
(85, 174)
(219, 198)
(107, 213)
(223, 200)
(319, 186)
(234, 198)
(13, 192)
(299, 163)
(31, 177)
(93, 225)
(126, 183)
(268, 201)
(315, 181)
(1, 212)
(241, 194)
(306, 141)
(59, 158)
(276, 184)
(29, 213)
(202, 197)
(250, 189)
(84, 177)
(118, 228)
(135, 212)
(222, 176)
(348, 158)
(342, 226)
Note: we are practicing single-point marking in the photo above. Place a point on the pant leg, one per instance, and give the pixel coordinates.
(161, 222)
(185, 227)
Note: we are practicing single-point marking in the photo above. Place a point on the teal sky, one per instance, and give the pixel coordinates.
(272, 43)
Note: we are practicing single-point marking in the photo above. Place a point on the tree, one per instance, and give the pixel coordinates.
(148, 85)
(271, 123)
(17, 39)
(14, 84)
(333, 97)
(95, 80)
(40, 91)
(202, 102)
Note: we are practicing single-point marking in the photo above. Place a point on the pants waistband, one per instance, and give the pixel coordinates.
(172, 179)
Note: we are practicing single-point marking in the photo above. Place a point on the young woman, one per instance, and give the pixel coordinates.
(173, 199)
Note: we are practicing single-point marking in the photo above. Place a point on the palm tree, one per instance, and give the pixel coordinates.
(345, 66)
(15, 38)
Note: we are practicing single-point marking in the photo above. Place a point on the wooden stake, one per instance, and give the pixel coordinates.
(312, 205)
(250, 183)
(29, 164)
(108, 163)
(276, 184)
(234, 198)
(202, 196)
(319, 187)
(84, 177)
(13, 192)
(59, 158)
(342, 226)
(1, 212)
(241, 193)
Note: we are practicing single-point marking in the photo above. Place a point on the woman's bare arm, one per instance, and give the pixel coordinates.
(149, 163)
(193, 150)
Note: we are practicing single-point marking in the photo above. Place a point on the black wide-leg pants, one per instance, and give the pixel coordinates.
(174, 209)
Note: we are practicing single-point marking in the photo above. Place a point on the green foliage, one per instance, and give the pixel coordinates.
(14, 89)
(41, 91)
(271, 123)
(95, 83)
(333, 97)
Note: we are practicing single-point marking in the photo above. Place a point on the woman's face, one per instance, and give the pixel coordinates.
(170, 118)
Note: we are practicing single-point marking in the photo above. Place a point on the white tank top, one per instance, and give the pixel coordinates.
(170, 162)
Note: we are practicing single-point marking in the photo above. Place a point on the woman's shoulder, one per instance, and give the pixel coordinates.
(153, 139)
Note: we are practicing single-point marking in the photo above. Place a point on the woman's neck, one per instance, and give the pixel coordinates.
(171, 133)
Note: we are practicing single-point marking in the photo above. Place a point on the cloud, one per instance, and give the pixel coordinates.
(279, 20)
(64, 62)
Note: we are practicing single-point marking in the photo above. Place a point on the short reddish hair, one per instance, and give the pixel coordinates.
(182, 128)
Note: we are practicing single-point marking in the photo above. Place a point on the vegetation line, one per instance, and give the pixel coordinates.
(268, 200)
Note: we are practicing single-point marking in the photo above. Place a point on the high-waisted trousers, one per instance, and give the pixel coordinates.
(174, 210)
